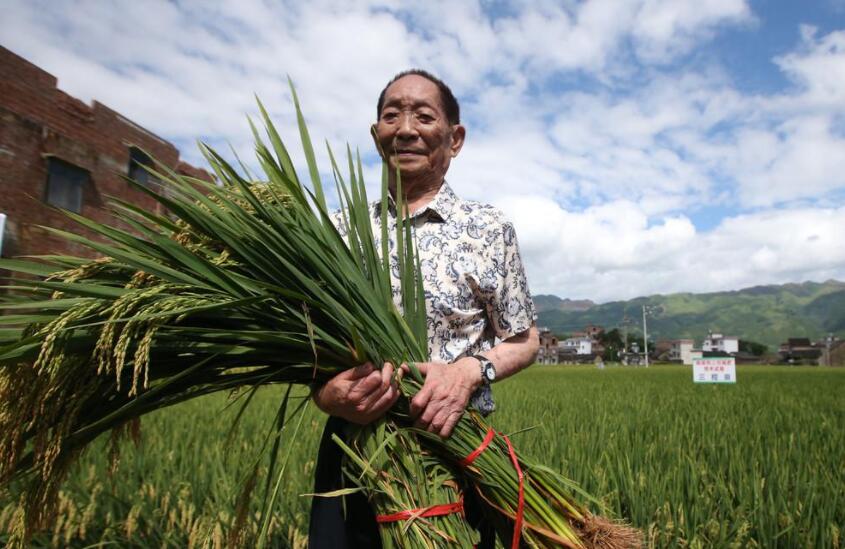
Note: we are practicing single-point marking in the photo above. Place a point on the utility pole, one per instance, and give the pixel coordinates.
(647, 310)
(828, 342)
(626, 320)
(645, 337)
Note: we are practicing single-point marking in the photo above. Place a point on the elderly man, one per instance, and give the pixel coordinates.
(480, 314)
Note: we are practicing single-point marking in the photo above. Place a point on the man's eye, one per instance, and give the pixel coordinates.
(426, 118)
(388, 116)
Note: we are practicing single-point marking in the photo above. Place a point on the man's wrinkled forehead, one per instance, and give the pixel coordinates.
(413, 91)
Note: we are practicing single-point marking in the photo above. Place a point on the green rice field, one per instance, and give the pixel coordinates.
(756, 464)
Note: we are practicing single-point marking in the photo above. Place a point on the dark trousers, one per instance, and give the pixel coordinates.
(330, 527)
(356, 528)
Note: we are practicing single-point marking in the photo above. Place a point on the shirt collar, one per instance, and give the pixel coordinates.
(444, 202)
(441, 205)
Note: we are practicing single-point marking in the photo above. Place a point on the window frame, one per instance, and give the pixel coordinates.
(136, 172)
(80, 181)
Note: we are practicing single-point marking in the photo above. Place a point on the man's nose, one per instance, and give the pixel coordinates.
(407, 126)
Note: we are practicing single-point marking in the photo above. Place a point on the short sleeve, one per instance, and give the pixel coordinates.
(510, 307)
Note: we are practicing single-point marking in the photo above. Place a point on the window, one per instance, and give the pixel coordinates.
(65, 184)
(137, 160)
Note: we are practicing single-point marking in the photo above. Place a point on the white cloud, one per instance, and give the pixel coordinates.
(801, 158)
(591, 35)
(665, 28)
(819, 68)
(612, 251)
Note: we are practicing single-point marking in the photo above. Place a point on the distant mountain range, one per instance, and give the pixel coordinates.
(766, 314)
(554, 303)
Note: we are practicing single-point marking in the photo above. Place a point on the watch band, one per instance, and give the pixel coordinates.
(488, 369)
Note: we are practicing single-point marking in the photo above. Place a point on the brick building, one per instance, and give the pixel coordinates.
(547, 353)
(800, 350)
(594, 332)
(56, 150)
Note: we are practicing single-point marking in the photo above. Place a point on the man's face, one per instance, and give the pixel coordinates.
(413, 131)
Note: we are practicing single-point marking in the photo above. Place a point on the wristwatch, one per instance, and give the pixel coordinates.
(488, 370)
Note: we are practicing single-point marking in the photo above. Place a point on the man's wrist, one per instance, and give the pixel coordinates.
(472, 366)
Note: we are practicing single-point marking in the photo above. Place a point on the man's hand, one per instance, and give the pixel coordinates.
(445, 394)
(359, 395)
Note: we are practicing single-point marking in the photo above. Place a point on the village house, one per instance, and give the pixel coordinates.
(633, 356)
(548, 351)
(800, 350)
(660, 349)
(834, 354)
(593, 332)
(579, 348)
(718, 343)
(58, 152)
(681, 350)
(582, 345)
(828, 351)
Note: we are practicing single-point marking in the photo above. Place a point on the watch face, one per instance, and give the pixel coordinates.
(489, 372)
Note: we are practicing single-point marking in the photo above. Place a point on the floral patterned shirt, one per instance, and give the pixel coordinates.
(475, 287)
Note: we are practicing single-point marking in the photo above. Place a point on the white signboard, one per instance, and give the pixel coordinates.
(714, 370)
(2, 226)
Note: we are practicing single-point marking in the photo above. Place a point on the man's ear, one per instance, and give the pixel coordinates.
(375, 140)
(459, 134)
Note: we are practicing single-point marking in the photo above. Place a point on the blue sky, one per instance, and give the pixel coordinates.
(639, 146)
(747, 52)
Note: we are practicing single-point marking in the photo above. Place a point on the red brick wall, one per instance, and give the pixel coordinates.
(38, 120)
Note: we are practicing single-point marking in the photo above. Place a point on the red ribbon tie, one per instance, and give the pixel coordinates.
(488, 438)
(433, 511)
